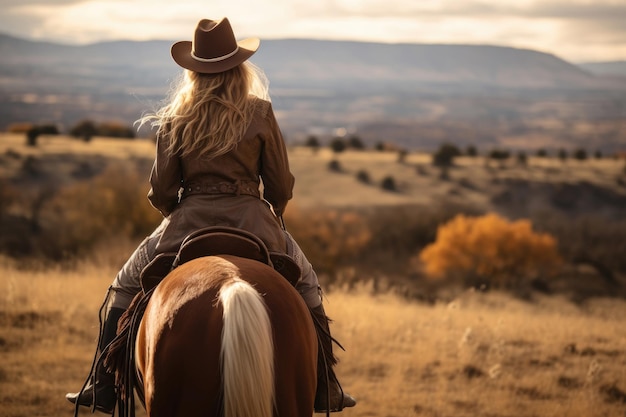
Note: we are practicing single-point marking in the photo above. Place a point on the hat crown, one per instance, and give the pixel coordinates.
(213, 48)
(214, 39)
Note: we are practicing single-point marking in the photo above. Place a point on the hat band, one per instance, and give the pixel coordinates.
(218, 59)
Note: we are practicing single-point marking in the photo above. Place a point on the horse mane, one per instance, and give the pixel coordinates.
(247, 352)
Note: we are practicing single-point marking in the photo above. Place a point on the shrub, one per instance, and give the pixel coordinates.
(111, 205)
(312, 142)
(334, 166)
(329, 238)
(580, 154)
(402, 154)
(115, 130)
(338, 145)
(84, 129)
(31, 136)
(389, 184)
(445, 155)
(20, 127)
(490, 250)
(471, 151)
(8, 194)
(355, 142)
(364, 177)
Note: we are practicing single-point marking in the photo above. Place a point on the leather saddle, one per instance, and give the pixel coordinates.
(218, 240)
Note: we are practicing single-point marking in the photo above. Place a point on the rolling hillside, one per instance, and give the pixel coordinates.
(414, 95)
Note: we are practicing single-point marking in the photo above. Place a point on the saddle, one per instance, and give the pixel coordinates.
(218, 240)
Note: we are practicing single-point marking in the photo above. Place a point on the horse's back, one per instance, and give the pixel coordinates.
(178, 347)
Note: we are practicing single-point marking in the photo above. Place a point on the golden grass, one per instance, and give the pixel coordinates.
(106, 147)
(480, 355)
(470, 182)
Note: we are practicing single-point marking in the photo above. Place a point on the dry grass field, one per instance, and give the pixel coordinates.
(479, 355)
(474, 354)
(471, 182)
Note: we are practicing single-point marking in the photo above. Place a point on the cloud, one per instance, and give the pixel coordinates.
(576, 30)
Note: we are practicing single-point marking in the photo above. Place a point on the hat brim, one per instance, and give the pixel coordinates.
(181, 53)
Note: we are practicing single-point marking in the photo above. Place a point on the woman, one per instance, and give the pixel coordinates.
(217, 139)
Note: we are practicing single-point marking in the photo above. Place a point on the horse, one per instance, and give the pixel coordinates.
(226, 336)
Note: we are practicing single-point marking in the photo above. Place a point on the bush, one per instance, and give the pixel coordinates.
(338, 145)
(8, 195)
(364, 177)
(87, 129)
(445, 155)
(334, 166)
(389, 184)
(491, 251)
(115, 130)
(111, 205)
(471, 151)
(580, 154)
(329, 238)
(312, 142)
(22, 128)
(355, 142)
(84, 129)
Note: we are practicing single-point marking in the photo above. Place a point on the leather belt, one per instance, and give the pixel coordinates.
(234, 188)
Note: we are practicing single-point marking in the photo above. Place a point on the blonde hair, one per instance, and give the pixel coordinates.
(208, 114)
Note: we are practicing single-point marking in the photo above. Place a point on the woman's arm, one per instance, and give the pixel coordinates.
(165, 179)
(277, 178)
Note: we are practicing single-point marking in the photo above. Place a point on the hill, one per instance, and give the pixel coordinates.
(414, 95)
(611, 68)
(583, 203)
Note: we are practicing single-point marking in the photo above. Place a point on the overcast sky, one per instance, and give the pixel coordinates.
(576, 30)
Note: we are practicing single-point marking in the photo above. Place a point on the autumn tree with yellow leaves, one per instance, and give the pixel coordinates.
(490, 250)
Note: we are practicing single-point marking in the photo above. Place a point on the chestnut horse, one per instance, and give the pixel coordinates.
(230, 337)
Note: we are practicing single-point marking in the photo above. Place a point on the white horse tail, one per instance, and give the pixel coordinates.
(247, 352)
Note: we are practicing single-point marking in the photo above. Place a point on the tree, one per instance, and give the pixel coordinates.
(355, 142)
(499, 155)
(444, 156)
(338, 145)
(84, 129)
(402, 154)
(313, 143)
(364, 177)
(334, 166)
(31, 136)
(490, 250)
(580, 154)
(389, 184)
(471, 151)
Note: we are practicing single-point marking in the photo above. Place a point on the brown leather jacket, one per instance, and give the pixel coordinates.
(224, 191)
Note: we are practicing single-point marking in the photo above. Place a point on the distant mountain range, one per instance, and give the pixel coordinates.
(415, 95)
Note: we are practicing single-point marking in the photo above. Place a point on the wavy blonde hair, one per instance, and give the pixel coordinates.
(208, 114)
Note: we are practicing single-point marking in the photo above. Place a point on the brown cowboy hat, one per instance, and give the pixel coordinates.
(214, 48)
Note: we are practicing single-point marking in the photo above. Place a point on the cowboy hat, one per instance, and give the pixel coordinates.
(214, 48)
